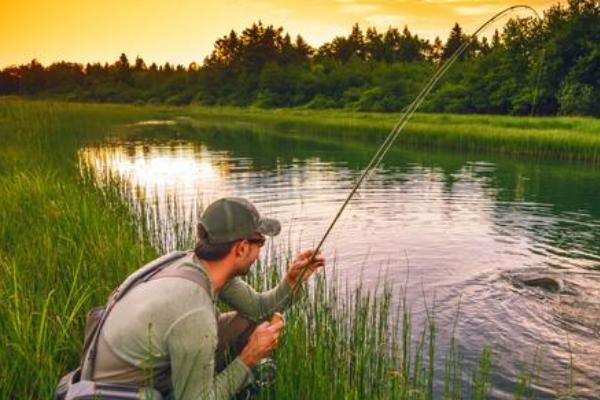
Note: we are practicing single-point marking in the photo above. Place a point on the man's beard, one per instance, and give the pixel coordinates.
(244, 272)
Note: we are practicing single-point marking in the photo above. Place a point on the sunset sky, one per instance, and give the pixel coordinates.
(182, 31)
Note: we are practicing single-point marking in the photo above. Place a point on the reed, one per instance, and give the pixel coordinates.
(63, 244)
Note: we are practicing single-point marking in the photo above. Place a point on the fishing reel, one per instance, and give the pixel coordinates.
(264, 381)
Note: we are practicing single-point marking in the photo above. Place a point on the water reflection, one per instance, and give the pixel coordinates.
(456, 223)
(158, 170)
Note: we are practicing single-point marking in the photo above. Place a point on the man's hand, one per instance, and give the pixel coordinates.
(300, 264)
(263, 341)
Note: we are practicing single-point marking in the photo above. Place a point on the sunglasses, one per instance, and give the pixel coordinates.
(258, 241)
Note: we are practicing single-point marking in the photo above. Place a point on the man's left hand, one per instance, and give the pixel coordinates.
(303, 266)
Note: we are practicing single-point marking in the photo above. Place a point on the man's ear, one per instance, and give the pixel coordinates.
(241, 248)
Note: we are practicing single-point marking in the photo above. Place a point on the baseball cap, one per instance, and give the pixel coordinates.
(232, 218)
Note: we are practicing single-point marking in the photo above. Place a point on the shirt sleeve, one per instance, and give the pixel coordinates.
(191, 341)
(253, 305)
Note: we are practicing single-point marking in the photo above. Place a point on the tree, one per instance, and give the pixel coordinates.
(123, 69)
(264, 65)
(373, 45)
(411, 48)
(483, 47)
(64, 76)
(140, 65)
(33, 78)
(577, 98)
(496, 41)
(454, 42)
(303, 50)
(344, 49)
(225, 52)
(391, 40)
(9, 80)
(437, 49)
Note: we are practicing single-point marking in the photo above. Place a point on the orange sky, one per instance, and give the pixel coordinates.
(182, 31)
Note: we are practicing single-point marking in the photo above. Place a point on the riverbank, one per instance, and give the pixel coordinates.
(560, 138)
(575, 139)
(65, 243)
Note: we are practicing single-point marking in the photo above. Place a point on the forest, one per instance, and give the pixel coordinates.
(528, 67)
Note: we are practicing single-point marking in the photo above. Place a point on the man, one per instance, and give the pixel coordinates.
(167, 333)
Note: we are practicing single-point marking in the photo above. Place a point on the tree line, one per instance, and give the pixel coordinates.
(545, 67)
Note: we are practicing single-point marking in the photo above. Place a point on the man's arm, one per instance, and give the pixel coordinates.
(261, 306)
(191, 342)
(253, 305)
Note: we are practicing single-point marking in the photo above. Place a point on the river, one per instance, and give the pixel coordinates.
(458, 230)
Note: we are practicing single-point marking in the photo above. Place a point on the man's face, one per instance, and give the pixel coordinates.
(249, 250)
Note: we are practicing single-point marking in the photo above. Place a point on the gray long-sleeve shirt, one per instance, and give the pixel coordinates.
(171, 323)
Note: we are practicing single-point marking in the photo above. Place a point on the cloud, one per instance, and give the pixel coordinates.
(385, 20)
(315, 32)
(442, 1)
(358, 8)
(477, 10)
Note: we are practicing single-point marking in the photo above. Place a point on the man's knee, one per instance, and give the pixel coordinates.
(234, 330)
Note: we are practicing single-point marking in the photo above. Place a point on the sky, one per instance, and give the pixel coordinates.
(184, 31)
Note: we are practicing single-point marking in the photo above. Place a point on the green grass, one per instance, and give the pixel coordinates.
(65, 243)
(561, 138)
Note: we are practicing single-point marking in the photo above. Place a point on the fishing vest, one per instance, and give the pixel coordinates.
(78, 384)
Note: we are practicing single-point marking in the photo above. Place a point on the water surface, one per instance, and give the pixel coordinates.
(456, 229)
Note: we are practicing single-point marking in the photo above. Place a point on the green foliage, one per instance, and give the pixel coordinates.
(366, 70)
(451, 98)
(395, 87)
(320, 102)
(579, 99)
(455, 40)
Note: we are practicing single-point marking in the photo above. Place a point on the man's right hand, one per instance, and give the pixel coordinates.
(261, 343)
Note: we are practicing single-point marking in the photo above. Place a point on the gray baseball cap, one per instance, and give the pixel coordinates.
(232, 218)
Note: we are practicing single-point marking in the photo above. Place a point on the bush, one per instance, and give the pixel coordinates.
(577, 98)
(379, 99)
(179, 99)
(267, 99)
(452, 98)
(320, 101)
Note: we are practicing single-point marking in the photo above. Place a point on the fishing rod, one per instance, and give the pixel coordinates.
(399, 126)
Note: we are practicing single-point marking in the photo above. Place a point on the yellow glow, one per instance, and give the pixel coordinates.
(182, 31)
(155, 171)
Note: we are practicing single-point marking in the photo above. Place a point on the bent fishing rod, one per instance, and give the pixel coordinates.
(399, 126)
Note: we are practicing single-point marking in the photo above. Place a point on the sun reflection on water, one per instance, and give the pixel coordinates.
(159, 171)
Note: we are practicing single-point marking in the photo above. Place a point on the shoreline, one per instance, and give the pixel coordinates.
(570, 139)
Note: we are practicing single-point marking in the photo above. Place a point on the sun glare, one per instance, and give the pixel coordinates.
(152, 171)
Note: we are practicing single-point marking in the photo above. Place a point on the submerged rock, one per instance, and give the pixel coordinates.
(551, 283)
(541, 279)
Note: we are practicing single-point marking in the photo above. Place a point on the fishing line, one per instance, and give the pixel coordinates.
(541, 62)
(399, 126)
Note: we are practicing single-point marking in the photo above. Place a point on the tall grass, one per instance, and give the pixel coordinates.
(561, 138)
(66, 241)
(63, 244)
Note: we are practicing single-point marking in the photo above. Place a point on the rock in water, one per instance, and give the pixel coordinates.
(551, 283)
(539, 278)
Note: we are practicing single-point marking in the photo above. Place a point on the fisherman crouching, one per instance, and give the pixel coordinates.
(161, 334)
